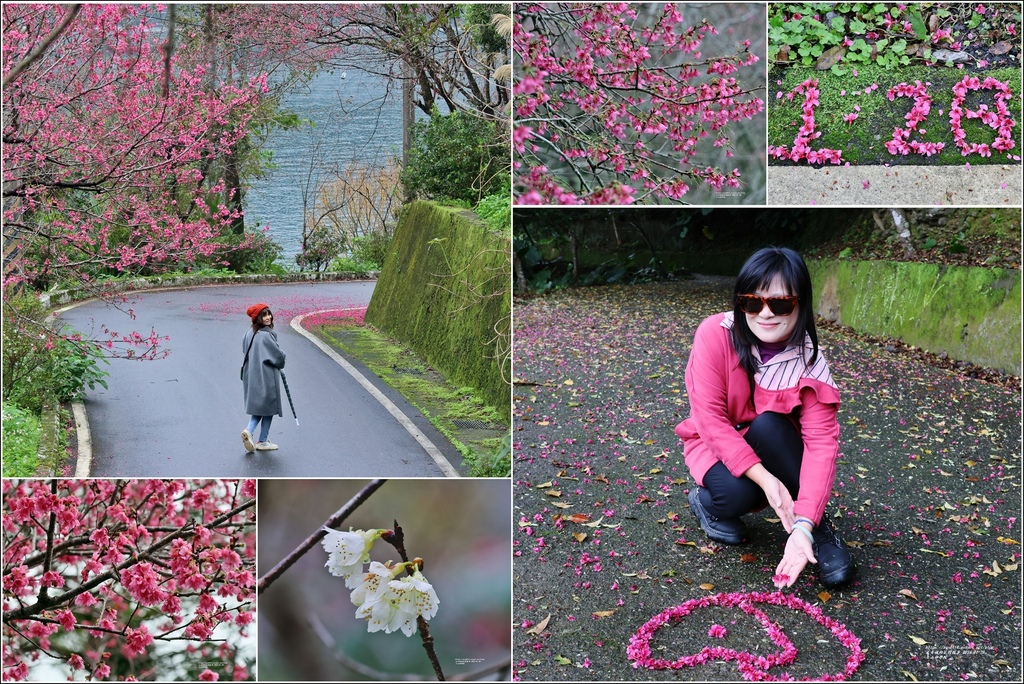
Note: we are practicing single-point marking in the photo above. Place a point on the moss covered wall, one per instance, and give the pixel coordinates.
(444, 288)
(972, 314)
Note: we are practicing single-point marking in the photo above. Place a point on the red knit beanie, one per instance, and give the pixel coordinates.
(255, 310)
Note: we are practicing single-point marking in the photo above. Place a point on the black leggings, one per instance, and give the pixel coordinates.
(777, 443)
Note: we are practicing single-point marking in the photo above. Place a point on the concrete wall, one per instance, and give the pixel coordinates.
(446, 291)
(972, 314)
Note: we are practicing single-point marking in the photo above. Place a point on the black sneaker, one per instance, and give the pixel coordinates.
(723, 530)
(835, 563)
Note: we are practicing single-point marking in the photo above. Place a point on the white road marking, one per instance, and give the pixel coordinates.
(406, 422)
(84, 463)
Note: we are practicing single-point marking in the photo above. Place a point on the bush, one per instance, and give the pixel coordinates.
(496, 211)
(320, 249)
(40, 365)
(21, 441)
(371, 248)
(458, 156)
(258, 256)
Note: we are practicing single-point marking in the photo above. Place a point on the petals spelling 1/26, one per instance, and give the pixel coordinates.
(348, 551)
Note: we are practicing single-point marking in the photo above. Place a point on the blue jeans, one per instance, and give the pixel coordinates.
(265, 430)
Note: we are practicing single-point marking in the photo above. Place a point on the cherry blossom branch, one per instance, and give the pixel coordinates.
(310, 541)
(396, 538)
(48, 602)
(43, 46)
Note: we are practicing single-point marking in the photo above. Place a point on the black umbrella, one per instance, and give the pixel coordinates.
(289, 393)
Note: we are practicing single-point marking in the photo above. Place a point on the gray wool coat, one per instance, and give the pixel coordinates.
(260, 377)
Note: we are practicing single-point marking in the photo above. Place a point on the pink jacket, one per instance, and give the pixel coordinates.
(719, 392)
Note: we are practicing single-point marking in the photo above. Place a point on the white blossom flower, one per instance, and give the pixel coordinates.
(373, 585)
(348, 551)
(418, 592)
(390, 605)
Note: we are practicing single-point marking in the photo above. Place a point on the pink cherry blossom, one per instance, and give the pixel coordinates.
(603, 103)
(751, 667)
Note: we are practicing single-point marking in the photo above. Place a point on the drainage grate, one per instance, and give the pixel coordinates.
(474, 424)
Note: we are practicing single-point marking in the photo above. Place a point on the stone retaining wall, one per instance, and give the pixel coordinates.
(971, 314)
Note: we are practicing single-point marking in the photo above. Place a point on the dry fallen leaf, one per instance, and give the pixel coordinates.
(824, 596)
(578, 518)
(559, 504)
(707, 586)
(1007, 540)
(748, 558)
(917, 640)
(580, 536)
(554, 493)
(544, 485)
(909, 594)
(1001, 48)
(604, 613)
(912, 677)
(540, 626)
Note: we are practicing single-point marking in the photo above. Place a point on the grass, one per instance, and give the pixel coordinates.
(21, 441)
(486, 452)
(863, 141)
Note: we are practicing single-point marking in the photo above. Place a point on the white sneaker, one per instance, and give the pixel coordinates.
(247, 441)
(265, 446)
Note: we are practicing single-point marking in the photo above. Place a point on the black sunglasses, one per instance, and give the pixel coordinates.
(780, 306)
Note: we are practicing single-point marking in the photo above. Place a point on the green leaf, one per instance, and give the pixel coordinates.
(857, 26)
(562, 661)
(899, 46)
(838, 24)
(917, 22)
(839, 70)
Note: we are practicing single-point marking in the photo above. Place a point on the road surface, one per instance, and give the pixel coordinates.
(182, 416)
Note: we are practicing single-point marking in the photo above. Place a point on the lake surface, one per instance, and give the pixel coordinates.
(356, 116)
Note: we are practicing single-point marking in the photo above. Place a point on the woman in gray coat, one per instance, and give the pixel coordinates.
(260, 372)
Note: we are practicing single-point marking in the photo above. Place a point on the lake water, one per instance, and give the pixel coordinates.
(356, 116)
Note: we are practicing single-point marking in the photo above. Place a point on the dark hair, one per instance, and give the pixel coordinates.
(758, 272)
(257, 323)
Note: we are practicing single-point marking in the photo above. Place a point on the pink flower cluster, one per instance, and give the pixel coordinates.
(599, 119)
(999, 119)
(753, 668)
(922, 106)
(138, 561)
(807, 133)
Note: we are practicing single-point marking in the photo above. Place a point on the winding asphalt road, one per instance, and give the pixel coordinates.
(182, 416)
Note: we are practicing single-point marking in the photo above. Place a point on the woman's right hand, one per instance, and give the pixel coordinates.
(776, 493)
(780, 500)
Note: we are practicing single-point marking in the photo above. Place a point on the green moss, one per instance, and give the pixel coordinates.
(972, 314)
(863, 141)
(445, 291)
(441, 402)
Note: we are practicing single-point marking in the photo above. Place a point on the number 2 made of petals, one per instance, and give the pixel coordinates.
(752, 667)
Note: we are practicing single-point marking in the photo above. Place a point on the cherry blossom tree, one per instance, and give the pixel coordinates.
(616, 104)
(103, 167)
(142, 578)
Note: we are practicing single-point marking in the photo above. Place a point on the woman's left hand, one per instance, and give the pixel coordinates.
(799, 552)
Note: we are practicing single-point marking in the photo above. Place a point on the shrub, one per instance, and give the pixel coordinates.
(320, 249)
(40, 365)
(496, 211)
(458, 156)
(21, 441)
